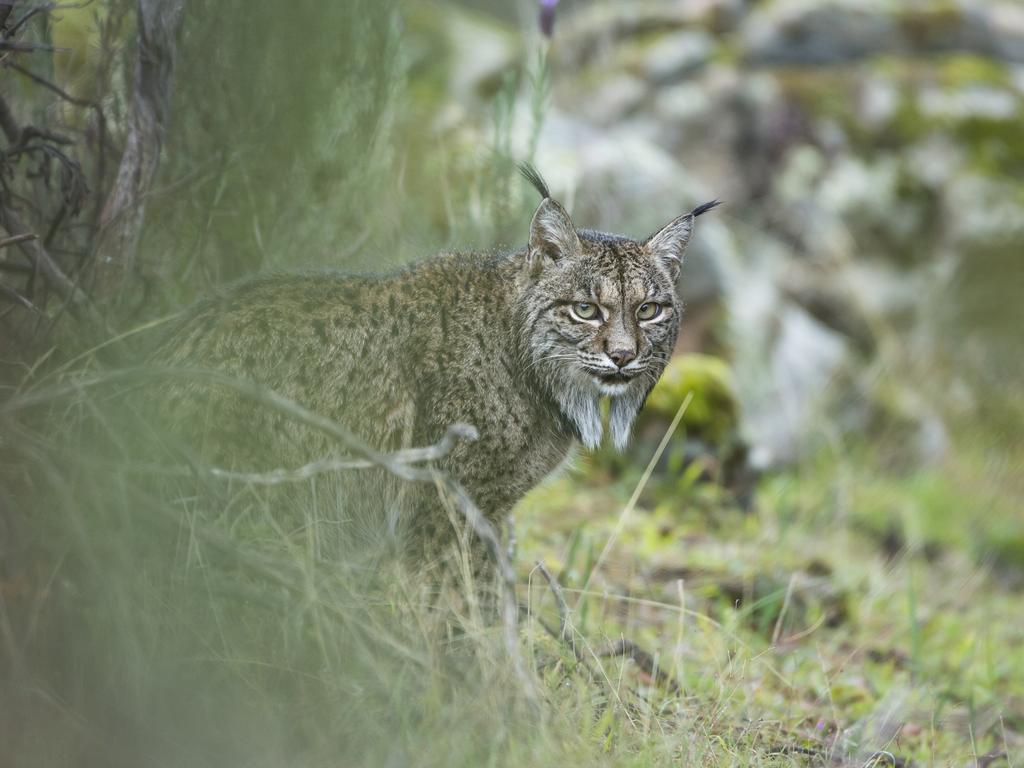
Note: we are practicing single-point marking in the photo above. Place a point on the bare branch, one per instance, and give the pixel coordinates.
(4, 242)
(18, 137)
(35, 253)
(438, 450)
(11, 295)
(19, 46)
(78, 102)
(32, 132)
(563, 607)
(624, 648)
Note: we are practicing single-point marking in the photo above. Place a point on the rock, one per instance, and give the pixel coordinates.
(811, 32)
(828, 300)
(684, 103)
(879, 100)
(804, 357)
(1006, 22)
(984, 211)
(817, 33)
(784, 362)
(871, 203)
(934, 161)
(614, 99)
(596, 27)
(852, 185)
(677, 55)
(880, 289)
(482, 50)
(907, 431)
(977, 102)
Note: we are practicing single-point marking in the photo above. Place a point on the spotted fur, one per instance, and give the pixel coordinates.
(496, 341)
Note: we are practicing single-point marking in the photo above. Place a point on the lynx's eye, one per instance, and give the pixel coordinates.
(584, 310)
(648, 310)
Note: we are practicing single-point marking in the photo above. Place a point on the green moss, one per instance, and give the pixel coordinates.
(713, 412)
(822, 92)
(995, 147)
(909, 124)
(959, 70)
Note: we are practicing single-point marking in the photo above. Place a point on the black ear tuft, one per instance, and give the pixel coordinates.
(533, 176)
(667, 246)
(552, 235)
(705, 208)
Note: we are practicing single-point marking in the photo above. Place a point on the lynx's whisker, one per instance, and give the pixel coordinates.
(550, 358)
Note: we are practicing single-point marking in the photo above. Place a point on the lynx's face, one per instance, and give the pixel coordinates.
(612, 316)
(600, 315)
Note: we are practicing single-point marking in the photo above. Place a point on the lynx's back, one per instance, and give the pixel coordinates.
(361, 350)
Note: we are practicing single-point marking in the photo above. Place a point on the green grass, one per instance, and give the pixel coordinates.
(807, 621)
(203, 626)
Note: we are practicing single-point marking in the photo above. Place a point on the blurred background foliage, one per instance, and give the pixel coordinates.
(287, 164)
(827, 554)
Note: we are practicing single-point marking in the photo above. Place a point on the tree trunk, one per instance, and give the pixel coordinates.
(124, 211)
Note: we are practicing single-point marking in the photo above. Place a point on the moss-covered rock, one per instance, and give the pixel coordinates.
(713, 412)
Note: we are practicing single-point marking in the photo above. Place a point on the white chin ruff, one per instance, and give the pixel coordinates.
(612, 390)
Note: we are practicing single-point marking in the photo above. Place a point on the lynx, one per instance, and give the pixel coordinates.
(521, 345)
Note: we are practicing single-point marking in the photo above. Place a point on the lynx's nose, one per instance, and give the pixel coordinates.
(622, 357)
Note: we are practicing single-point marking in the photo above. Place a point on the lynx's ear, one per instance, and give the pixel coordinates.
(668, 245)
(552, 235)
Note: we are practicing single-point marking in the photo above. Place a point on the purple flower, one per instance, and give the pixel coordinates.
(547, 17)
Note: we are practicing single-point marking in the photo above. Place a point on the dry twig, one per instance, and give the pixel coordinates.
(624, 648)
(16, 298)
(39, 80)
(38, 255)
(438, 450)
(15, 239)
(563, 607)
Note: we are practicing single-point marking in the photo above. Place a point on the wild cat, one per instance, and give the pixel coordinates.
(522, 345)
